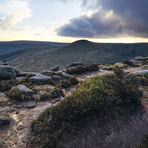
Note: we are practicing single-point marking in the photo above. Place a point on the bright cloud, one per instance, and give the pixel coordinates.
(14, 11)
(105, 18)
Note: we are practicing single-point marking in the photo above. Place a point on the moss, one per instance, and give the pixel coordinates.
(129, 63)
(111, 66)
(100, 96)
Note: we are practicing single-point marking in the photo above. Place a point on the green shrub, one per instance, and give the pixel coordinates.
(99, 96)
(129, 63)
(82, 69)
(15, 94)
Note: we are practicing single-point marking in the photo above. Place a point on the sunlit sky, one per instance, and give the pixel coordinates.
(70, 20)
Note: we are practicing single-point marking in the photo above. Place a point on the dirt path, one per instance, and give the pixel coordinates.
(15, 135)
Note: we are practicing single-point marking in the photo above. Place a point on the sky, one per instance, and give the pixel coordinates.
(120, 21)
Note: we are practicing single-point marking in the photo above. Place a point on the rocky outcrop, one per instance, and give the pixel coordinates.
(40, 77)
(56, 68)
(75, 64)
(25, 89)
(67, 76)
(4, 119)
(7, 72)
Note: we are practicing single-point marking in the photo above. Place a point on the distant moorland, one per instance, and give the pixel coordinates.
(43, 57)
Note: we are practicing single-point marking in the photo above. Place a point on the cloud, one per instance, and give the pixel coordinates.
(14, 12)
(105, 18)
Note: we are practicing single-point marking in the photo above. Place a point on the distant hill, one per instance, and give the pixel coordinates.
(45, 57)
(6, 47)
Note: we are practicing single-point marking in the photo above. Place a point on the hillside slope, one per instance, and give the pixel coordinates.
(80, 51)
(6, 47)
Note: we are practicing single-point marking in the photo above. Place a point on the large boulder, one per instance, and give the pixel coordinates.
(7, 72)
(23, 74)
(25, 89)
(145, 72)
(4, 119)
(40, 77)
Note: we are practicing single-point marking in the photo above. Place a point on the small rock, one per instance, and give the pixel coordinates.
(40, 77)
(145, 72)
(56, 68)
(19, 106)
(25, 89)
(55, 100)
(31, 105)
(54, 95)
(19, 78)
(4, 120)
(20, 126)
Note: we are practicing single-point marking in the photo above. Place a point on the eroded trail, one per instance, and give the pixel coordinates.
(15, 134)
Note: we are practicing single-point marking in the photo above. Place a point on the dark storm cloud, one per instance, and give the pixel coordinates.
(111, 18)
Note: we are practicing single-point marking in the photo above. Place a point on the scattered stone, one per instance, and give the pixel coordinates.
(20, 126)
(25, 89)
(5, 109)
(145, 72)
(31, 105)
(2, 95)
(19, 106)
(56, 68)
(7, 72)
(4, 119)
(40, 77)
(56, 77)
(67, 76)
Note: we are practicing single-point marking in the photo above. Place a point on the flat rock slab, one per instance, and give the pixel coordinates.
(40, 77)
(145, 72)
(56, 77)
(23, 74)
(4, 120)
(25, 89)
(2, 95)
(31, 105)
(56, 68)
(5, 109)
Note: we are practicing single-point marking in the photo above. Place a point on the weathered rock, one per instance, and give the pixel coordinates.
(25, 89)
(56, 77)
(19, 106)
(31, 105)
(4, 119)
(40, 77)
(145, 72)
(4, 109)
(7, 72)
(56, 68)
(23, 74)
(74, 64)
(54, 95)
(67, 76)
(2, 95)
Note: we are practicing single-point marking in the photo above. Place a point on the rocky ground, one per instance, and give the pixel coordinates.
(22, 113)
